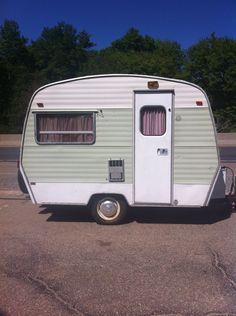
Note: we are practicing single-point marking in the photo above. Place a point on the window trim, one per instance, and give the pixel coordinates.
(93, 132)
(140, 119)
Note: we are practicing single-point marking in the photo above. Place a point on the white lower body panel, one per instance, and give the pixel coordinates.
(190, 194)
(77, 193)
(80, 193)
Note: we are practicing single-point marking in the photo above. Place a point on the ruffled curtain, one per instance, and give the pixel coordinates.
(153, 121)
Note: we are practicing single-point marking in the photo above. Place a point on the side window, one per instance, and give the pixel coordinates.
(153, 120)
(61, 128)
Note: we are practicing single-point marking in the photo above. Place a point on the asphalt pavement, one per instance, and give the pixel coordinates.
(228, 154)
(57, 261)
(9, 153)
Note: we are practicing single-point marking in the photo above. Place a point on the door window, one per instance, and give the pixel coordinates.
(153, 120)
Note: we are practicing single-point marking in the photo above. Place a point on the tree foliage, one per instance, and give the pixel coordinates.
(133, 41)
(211, 63)
(16, 67)
(138, 54)
(62, 52)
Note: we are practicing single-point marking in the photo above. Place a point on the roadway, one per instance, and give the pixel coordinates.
(9, 153)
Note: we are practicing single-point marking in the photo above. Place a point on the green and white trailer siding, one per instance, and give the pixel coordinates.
(71, 174)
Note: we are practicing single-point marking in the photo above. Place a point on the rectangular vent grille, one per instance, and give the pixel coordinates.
(116, 170)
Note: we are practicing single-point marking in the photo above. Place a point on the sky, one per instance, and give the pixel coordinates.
(183, 21)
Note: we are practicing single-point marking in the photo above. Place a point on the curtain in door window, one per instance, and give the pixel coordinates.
(153, 120)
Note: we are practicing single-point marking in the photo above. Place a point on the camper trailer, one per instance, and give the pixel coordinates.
(112, 141)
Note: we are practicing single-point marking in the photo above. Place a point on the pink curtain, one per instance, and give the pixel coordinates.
(65, 128)
(153, 121)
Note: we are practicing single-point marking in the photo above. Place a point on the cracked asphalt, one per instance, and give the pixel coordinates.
(57, 261)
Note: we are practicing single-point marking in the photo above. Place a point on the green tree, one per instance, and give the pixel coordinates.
(133, 41)
(167, 59)
(108, 61)
(134, 53)
(16, 65)
(60, 52)
(211, 63)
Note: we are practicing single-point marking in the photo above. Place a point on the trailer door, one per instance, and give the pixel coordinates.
(153, 152)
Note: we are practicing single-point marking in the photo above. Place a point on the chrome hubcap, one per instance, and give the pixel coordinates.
(108, 209)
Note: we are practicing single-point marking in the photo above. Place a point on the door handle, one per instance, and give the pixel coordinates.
(162, 151)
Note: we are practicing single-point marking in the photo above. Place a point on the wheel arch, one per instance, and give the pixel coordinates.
(103, 195)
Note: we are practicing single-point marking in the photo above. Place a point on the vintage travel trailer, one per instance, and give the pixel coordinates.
(112, 141)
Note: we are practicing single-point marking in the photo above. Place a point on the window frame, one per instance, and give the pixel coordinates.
(93, 132)
(140, 119)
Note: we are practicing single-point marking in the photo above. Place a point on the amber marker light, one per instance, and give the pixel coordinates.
(153, 85)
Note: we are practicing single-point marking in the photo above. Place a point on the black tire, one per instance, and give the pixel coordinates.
(21, 183)
(108, 210)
